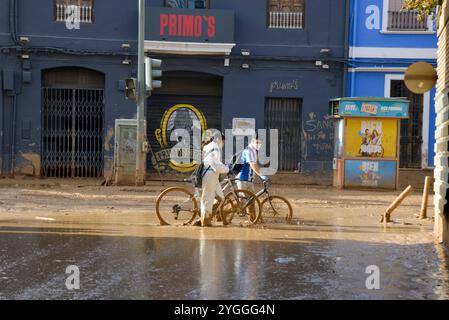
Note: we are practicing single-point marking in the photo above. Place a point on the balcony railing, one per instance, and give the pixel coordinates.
(405, 21)
(85, 13)
(285, 20)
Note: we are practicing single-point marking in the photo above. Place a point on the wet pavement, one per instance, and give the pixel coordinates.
(33, 267)
(323, 255)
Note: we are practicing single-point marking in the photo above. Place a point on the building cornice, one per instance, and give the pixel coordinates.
(377, 69)
(393, 53)
(189, 48)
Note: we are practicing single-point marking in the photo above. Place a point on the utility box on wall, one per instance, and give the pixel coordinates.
(367, 135)
(125, 151)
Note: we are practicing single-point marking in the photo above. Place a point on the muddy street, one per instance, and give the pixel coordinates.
(112, 235)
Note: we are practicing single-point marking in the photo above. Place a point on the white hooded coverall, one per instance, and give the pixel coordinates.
(211, 183)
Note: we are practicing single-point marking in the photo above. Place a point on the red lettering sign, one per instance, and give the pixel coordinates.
(187, 26)
(178, 25)
(211, 27)
(163, 23)
(172, 23)
(198, 26)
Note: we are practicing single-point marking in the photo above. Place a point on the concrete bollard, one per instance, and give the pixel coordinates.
(396, 203)
(425, 197)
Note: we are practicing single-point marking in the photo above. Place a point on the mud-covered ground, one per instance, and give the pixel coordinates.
(112, 234)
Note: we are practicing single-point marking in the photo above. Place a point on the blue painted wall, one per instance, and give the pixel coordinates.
(364, 37)
(366, 84)
(276, 55)
(363, 82)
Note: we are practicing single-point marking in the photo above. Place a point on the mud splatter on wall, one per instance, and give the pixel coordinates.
(31, 165)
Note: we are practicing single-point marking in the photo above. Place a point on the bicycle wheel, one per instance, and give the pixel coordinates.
(176, 206)
(276, 209)
(240, 208)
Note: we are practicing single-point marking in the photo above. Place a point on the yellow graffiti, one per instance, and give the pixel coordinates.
(162, 138)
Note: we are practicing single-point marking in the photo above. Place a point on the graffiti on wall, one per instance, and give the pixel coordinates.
(318, 135)
(284, 85)
(186, 118)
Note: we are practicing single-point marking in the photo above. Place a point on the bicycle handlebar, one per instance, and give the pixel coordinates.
(266, 183)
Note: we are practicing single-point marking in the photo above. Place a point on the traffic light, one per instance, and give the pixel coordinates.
(152, 72)
(131, 89)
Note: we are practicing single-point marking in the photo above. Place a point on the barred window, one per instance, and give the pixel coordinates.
(192, 4)
(84, 9)
(285, 14)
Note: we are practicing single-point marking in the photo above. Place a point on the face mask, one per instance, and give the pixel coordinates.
(257, 146)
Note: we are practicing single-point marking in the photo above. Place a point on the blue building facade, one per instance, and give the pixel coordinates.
(63, 65)
(384, 41)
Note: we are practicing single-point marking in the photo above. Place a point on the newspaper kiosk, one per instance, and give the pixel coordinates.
(367, 134)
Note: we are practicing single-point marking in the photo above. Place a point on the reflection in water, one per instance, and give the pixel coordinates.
(242, 279)
(33, 267)
(228, 264)
(210, 274)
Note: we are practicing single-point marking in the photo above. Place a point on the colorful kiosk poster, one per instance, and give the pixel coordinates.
(370, 174)
(371, 138)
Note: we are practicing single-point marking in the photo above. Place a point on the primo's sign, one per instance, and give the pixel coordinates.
(189, 25)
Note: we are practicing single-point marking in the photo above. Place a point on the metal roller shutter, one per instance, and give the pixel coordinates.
(285, 115)
(176, 106)
(182, 118)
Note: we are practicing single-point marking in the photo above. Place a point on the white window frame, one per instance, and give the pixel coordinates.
(83, 18)
(208, 4)
(425, 117)
(385, 6)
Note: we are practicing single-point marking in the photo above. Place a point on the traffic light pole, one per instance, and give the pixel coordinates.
(141, 97)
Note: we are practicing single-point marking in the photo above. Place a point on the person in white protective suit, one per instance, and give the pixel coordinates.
(213, 166)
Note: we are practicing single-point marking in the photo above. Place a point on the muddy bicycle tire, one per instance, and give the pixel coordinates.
(231, 210)
(269, 213)
(176, 199)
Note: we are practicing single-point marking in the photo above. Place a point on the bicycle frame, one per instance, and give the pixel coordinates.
(228, 182)
(265, 191)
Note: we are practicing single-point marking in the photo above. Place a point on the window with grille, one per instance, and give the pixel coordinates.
(285, 14)
(192, 4)
(411, 128)
(82, 9)
(403, 20)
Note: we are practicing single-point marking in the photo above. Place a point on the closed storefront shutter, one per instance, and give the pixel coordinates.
(189, 103)
(284, 115)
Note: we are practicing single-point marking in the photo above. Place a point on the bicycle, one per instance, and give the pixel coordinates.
(274, 207)
(239, 206)
(178, 206)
